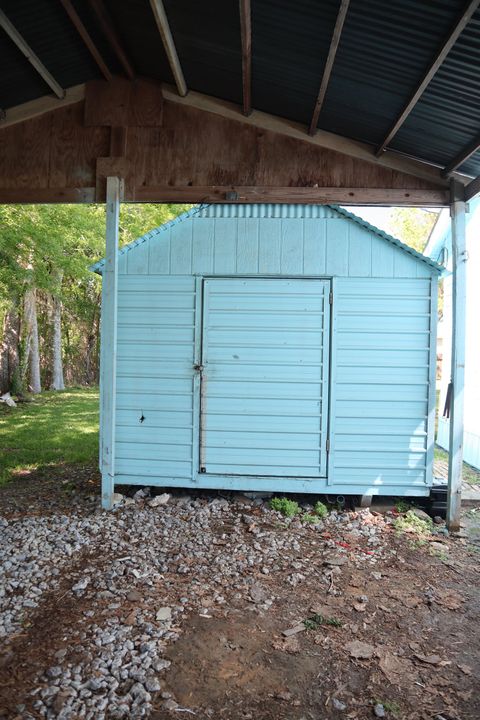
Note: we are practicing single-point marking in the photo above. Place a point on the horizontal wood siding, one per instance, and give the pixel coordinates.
(382, 356)
(154, 427)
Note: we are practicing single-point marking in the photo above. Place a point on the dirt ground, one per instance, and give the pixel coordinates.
(392, 627)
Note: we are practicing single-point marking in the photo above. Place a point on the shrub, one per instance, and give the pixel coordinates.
(320, 509)
(287, 507)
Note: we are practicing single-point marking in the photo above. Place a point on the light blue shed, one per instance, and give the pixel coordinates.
(274, 347)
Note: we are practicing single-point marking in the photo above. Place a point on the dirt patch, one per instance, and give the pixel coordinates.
(410, 651)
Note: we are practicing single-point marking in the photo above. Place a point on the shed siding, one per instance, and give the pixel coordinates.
(382, 359)
(381, 356)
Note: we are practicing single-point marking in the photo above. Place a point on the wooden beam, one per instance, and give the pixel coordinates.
(442, 53)
(462, 156)
(163, 25)
(321, 196)
(472, 189)
(34, 108)
(27, 195)
(459, 297)
(106, 24)
(246, 31)
(337, 32)
(32, 58)
(322, 138)
(108, 354)
(86, 37)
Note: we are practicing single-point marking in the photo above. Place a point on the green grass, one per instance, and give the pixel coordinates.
(470, 474)
(54, 429)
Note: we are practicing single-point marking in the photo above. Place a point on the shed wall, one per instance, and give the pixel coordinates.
(381, 359)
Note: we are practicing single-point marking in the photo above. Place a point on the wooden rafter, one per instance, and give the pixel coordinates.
(163, 25)
(442, 53)
(32, 58)
(472, 189)
(462, 156)
(337, 33)
(106, 24)
(87, 39)
(246, 30)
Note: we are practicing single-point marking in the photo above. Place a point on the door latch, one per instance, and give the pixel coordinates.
(198, 368)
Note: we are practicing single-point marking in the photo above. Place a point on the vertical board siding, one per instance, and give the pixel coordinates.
(381, 346)
(380, 415)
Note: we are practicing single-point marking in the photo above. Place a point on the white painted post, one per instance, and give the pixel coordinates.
(459, 259)
(108, 355)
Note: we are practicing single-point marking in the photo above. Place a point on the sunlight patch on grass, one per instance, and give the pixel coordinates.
(53, 429)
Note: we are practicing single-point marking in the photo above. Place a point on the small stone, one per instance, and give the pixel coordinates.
(152, 684)
(422, 515)
(379, 710)
(339, 705)
(54, 672)
(258, 593)
(116, 498)
(134, 596)
(439, 547)
(170, 704)
(360, 650)
(159, 500)
(81, 584)
(164, 613)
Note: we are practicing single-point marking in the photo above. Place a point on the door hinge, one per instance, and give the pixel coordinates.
(330, 298)
(328, 446)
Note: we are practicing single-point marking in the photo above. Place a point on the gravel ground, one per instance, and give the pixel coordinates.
(127, 582)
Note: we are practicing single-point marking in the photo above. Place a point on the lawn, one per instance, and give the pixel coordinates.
(469, 474)
(53, 429)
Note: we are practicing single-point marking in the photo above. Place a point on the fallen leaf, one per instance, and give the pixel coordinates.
(432, 660)
(449, 599)
(392, 666)
(384, 608)
(466, 669)
(359, 607)
(287, 644)
(359, 649)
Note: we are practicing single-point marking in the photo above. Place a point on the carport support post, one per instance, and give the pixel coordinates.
(459, 259)
(108, 358)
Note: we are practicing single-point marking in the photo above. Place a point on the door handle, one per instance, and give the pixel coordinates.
(198, 368)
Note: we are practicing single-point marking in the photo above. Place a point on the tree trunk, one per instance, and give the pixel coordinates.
(9, 351)
(32, 349)
(57, 370)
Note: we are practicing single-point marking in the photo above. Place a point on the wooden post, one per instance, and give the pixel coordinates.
(108, 356)
(459, 259)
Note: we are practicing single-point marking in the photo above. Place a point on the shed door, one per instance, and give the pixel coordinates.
(264, 380)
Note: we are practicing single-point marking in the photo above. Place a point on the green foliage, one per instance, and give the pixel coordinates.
(314, 622)
(401, 506)
(412, 226)
(287, 507)
(50, 248)
(413, 524)
(308, 518)
(320, 509)
(55, 428)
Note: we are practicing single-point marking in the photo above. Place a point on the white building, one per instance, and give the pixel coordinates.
(439, 248)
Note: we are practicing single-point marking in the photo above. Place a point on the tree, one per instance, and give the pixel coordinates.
(412, 225)
(49, 299)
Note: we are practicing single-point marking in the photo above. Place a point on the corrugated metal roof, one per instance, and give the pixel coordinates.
(272, 210)
(384, 52)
